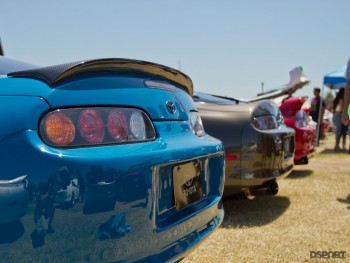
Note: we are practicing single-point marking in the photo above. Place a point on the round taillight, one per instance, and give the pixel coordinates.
(137, 125)
(117, 126)
(91, 126)
(59, 128)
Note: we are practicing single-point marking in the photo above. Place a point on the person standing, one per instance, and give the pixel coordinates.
(340, 128)
(315, 105)
(315, 111)
(345, 115)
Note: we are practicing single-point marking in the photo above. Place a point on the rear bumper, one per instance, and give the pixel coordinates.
(264, 156)
(149, 227)
(191, 240)
(304, 143)
(303, 154)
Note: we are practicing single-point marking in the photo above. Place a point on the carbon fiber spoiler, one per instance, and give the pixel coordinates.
(56, 74)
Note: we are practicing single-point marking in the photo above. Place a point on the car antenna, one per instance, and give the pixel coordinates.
(1, 50)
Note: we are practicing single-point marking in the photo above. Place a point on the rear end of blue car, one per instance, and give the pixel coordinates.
(122, 141)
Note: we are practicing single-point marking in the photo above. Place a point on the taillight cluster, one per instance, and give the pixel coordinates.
(77, 127)
(196, 123)
(266, 122)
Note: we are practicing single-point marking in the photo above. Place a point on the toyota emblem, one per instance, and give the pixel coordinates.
(171, 107)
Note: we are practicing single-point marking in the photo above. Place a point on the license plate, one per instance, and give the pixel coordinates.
(187, 184)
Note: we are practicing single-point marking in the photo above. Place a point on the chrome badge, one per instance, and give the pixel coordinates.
(171, 107)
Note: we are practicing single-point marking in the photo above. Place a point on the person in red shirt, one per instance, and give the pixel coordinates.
(315, 106)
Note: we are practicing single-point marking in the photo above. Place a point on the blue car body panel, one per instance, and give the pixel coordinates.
(126, 209)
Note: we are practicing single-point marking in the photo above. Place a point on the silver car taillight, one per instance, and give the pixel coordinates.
(265, 122)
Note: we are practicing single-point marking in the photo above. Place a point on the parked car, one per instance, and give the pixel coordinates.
(259, 147)
(14, 198)
(120, 115)
(294, 115)
(305, 134)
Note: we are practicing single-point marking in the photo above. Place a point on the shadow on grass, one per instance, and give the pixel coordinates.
(345, 201)
(297, 174)
(250, 213)
(331, 151)
(10, 232)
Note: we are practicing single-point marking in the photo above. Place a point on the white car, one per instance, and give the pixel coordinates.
(68, 195)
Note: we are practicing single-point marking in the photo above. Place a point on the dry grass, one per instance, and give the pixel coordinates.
(310, 213)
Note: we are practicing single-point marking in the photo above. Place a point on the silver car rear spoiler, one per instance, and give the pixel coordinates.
(297, 81)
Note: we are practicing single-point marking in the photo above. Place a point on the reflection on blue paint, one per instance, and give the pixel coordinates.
(115, 227)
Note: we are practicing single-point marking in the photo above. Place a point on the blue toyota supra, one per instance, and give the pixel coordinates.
(104, 161)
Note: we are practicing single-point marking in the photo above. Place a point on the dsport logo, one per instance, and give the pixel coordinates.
(328, 254)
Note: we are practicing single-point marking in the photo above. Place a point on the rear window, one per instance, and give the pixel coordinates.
(203, 97)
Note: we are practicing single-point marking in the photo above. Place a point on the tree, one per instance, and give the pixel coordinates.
(329, 100)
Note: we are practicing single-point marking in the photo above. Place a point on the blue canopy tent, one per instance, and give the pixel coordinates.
(335, 79)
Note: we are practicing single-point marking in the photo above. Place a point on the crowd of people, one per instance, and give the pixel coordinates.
(340, 109)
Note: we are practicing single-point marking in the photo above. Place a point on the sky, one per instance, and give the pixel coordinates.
(227, 47)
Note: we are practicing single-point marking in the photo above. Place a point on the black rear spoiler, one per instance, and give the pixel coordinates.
(55, 74)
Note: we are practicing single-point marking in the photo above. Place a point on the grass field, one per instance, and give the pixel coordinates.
(311, 212)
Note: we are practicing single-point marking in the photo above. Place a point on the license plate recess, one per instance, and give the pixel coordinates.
(187, 183)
